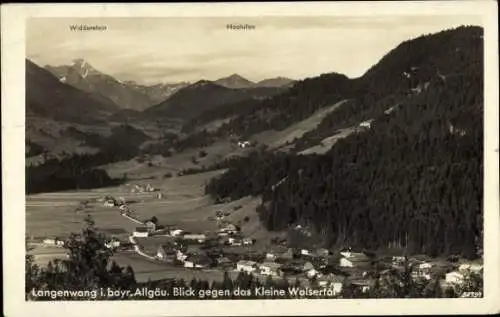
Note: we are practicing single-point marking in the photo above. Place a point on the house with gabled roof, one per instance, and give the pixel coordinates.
(141, 232)
(246, 266)
(270, 268)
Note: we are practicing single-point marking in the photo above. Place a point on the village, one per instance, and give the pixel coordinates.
(228, 250)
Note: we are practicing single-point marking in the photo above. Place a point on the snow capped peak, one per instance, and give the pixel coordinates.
(83, 67)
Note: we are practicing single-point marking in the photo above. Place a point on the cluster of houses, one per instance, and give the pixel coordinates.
(53, 242)
(460, 275)
(244, 144)
(143, 189)
(110, 201)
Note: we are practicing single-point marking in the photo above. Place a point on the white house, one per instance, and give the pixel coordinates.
(246, 266)
(454, 278)
(270, 256)
(270, 268)
(247, 241)
(176, 232)
(112, 244)
(199, 237)
(352, 259)
(345, 262)
(305, 252)
(50, 241)
(141, 232)
(109, 203)
(236, 241)
(244, 144)
(365, 124)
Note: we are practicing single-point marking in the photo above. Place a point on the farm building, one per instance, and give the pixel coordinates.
(235, 241)
(244, 144)
(270, 268)
(53, 242)
(305, 252)
(246, 266)
(176, 232)
(109, 203)
(271, 256)
(199, 237)
(141, 232)
(366, 124)
(112, 244)
(247, 241)
(354, 260)
(230, 229)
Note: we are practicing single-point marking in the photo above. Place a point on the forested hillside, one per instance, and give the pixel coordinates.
(413, 180)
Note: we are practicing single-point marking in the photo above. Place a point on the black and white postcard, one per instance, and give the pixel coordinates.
(250, 159)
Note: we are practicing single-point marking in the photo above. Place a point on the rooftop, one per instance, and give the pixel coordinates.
(271, 265)
(247, 263)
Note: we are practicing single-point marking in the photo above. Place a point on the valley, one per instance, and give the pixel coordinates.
(326, 181)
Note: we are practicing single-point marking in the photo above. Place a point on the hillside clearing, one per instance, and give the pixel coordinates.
(277, 139)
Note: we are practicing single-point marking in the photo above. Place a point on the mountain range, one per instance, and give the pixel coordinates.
(236, 81)
(203, 96)
(46, 96)
(127, 95)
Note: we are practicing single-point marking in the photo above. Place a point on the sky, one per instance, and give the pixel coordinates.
(168, 50)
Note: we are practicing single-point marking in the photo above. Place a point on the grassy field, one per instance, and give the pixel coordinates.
(177, 162)
(183, 205)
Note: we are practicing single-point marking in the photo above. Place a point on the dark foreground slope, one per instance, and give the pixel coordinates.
(413, 181)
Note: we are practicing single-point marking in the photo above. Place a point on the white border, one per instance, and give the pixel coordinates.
(13, 69)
